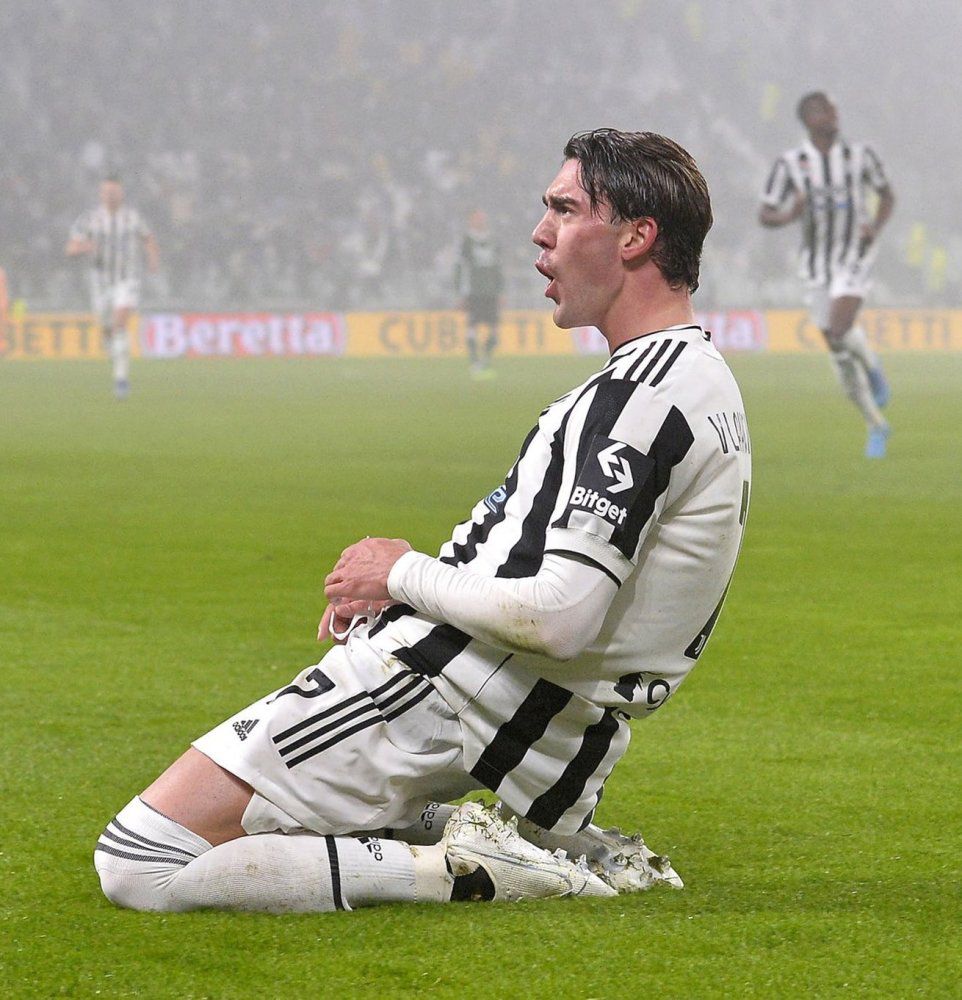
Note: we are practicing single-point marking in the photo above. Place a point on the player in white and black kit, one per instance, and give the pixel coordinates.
(826, 182)
(115, 238)
(577, 596)
(480, 281)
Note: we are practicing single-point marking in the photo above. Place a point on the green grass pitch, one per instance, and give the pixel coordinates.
(162, 564)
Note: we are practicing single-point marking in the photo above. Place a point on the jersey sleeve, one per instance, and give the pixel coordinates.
(780, 184)
(873, 173)
(622, 446)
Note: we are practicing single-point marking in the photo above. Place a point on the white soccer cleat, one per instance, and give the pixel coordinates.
(477, 836)
(622, 861)
(627, 864)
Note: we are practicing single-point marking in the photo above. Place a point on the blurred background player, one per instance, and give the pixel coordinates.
(827, 182)
(116, 238)
(479, 280)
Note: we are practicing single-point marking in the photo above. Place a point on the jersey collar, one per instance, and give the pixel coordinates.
(688, 329)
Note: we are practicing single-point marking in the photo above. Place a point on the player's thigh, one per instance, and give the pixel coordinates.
(202, 796)
(842, 313)
(355, 742)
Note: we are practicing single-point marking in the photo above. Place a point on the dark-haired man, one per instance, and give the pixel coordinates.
(826, 182)
(577, 595)
(114, 236)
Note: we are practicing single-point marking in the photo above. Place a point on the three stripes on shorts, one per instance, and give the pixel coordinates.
(325, 729)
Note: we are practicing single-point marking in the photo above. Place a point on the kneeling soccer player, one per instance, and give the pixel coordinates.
(577, 596)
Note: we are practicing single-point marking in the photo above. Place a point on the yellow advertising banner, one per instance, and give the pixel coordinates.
(398, 334)
(887, 330)
(55, 335)
(442, 334)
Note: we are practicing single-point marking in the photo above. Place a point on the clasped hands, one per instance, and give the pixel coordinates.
(358, 584)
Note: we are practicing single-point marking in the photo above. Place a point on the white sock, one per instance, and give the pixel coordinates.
(148, 862)
(428, 828)
(857, 344)
(854, 381)
(120, 354)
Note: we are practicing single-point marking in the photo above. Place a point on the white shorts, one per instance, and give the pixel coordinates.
(354, 743)
(106, 299)
(846, 281)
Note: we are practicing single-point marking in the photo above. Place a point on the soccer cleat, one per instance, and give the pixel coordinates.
(877, 442)
(476, 836)
(121, 389)
(627, 864)
(879, 385)
(623, 862)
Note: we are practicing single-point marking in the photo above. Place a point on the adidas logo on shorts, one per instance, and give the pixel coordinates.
(244, 728)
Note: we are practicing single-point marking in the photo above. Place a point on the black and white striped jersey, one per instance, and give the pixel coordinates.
(118, 243)
(644, 471)
(836, 185)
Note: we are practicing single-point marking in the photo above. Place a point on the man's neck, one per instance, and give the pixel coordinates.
(823, 143)
(663, 308)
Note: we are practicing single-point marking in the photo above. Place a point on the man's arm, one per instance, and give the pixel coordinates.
(886, 203)
(78, 245)
(772, 216)
(556, 613)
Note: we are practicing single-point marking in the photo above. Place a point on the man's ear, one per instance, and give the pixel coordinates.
(638, 239)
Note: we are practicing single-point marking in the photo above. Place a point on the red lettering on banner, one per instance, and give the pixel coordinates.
(241, 335)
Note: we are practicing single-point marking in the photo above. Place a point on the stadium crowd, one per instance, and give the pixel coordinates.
(328, 154)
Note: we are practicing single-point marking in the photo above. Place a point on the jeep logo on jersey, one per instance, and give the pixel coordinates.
(611, 476)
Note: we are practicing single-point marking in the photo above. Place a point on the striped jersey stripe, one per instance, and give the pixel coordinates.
(117, 238)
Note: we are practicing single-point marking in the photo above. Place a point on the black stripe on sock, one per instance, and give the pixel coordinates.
(151, 858)
(150, 843)
(335, 872)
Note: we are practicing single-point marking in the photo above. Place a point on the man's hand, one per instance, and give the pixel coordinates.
(77, 246)
(770, 216)
(362, 571)
(338, 618)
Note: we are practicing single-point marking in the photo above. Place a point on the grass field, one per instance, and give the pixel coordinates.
(162, 564)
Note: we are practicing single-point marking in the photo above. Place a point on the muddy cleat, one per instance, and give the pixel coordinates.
(477, 837)
(627, 864)
(623, 862)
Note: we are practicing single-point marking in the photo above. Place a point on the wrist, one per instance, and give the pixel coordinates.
(398, 572)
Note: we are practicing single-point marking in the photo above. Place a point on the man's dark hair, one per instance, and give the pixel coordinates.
(805, 102)
(643, 174)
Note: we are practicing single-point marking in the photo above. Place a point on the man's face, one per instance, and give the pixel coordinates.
(478, 222)
(111, 195)
(821, 118)
(580, 252)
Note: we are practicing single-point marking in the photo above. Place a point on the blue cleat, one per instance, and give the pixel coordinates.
(877, 443)
(121, 389)
(879, 385)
